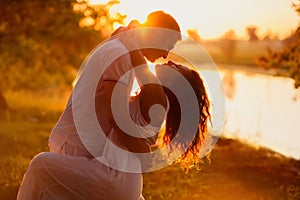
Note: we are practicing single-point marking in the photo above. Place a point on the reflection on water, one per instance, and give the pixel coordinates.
(262, 110)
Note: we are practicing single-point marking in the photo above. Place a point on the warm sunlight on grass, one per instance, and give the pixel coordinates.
(24, 134)
(237, 171)
(36, 104)
(256, 156)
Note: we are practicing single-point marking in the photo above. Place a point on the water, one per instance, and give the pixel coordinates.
(263, 110)
(260, 109)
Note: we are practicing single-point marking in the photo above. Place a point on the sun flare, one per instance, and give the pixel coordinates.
(214, 18)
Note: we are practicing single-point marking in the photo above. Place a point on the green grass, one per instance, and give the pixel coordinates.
(36, 106)
(24, 133)
(20, 141)
(237, 171)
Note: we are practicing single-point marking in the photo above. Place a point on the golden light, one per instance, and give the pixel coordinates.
(97, 1)
(135, 88)
(261, 111)
(152, 68)
(215, 17)
(87, 21)
(252, 110)
(79, 7)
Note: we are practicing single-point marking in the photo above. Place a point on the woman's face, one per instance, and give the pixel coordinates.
(167, 73)
(153, 54)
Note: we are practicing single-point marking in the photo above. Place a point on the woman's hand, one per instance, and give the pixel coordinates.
(151, 90)
(129, 35)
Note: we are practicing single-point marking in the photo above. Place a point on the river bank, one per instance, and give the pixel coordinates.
(237, 171)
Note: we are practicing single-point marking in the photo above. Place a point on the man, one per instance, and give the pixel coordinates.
(72, 169)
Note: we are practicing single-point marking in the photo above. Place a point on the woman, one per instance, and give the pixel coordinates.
(80, 168)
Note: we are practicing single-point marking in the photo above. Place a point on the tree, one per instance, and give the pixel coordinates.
(228, 44)
(251, 30)
(193, 34)
(287, 61)
(3, 105)
(98, 16)
(42, 44)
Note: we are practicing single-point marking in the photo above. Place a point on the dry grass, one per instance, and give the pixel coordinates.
(237, 171)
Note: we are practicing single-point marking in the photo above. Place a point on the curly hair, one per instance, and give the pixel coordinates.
(190, 157)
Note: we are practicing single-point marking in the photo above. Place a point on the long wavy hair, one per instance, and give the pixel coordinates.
(189, 158)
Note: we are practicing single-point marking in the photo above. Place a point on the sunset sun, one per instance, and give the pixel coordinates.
(150, 99)
(213, 18)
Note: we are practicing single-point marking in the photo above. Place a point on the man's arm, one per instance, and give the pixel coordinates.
(151, 90)
(122, 138)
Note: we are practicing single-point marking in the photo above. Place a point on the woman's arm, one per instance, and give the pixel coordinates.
(116, 98)
(122, 138)
(151, 91)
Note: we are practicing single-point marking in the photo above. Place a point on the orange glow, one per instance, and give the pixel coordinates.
(215, 17)
(135, 88)
(262, 111)
(259, 108)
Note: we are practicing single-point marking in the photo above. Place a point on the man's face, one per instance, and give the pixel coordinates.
(152, 54)
(160, 43)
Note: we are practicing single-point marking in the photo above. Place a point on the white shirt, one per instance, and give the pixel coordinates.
(112, 61)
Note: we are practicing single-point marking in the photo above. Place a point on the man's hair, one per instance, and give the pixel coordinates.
(162, 20)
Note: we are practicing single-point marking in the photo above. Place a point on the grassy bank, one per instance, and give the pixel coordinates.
(24, 132)
(237, 171)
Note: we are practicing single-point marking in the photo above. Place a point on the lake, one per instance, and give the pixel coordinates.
(261, 109)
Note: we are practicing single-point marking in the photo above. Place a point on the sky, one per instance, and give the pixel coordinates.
(213, 18)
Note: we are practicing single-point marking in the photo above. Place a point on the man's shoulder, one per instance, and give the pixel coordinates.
(110, 51)
(111, 48)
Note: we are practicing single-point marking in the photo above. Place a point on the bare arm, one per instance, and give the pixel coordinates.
(150, 94)
(151, 91)
(123, 139)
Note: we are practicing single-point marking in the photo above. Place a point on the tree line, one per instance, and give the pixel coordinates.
(287, 61)
(43, 43)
